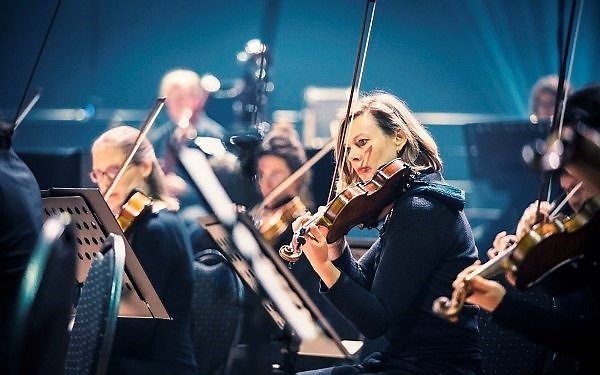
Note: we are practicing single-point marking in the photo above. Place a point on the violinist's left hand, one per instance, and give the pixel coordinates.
(334, 249)
(316, 251)
(487, 294)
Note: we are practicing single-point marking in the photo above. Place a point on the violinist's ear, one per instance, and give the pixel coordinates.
(399, 141)
(146, 168)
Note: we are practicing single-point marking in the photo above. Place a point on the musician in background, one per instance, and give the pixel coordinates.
(566, 332)
(190, 127)
(20, 225)
(425, 238)
(542, 98)
(280, 154)
(185, 103)
(159, 240)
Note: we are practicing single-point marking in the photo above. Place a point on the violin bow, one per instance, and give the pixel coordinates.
(158, 105)
(361, 57)
(560, 104)
(19, 116)
(360, 61)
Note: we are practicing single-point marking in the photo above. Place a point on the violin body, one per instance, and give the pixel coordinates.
(555, 244)
(276, 223)
(362, 202)
(135, 206)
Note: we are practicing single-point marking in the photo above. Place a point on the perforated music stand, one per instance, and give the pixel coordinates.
(306, 329)
(93, 222)
(326, 342)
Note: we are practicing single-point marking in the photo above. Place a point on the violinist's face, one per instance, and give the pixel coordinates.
(271, 171)
(545, 105)
(370, 146)
(180, 99)
(568, 179)
(104, 160)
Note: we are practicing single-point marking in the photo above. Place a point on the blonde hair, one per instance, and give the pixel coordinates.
(123, 137)
(184, 78)
(546, 84)
(393, 117)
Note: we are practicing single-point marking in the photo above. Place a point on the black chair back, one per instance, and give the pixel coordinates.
(217, 312)
(39, 328)
(96, 317)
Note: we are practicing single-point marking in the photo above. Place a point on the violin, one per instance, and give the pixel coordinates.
(134, 207)
(360, 203)
(277, 221)
(543, 250)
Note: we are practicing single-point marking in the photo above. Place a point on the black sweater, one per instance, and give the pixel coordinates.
(20, 224)
(426, 242)
(573, 333)
(151, 346)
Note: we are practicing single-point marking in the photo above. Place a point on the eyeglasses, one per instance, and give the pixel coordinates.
(96, 175)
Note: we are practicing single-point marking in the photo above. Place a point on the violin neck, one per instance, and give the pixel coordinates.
(494, 266)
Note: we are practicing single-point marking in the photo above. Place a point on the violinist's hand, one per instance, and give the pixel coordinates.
(501, 243)
(335, 249)
(316, 251)
(529, 217)
(175, 185)
(485, 293)
(459, 282)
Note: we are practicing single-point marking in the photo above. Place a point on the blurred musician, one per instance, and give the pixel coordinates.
(569, 332)
(189, 126)
(149, 346)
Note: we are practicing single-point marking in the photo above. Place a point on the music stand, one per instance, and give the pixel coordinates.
(494, 152)
(93, 222)
(306, 329)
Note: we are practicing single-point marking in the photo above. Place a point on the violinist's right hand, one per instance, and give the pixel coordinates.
(529, 218)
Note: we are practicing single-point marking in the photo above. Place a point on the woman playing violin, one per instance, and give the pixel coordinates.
(280, 154)
(558, 330)
(424, 240)
(149, 346)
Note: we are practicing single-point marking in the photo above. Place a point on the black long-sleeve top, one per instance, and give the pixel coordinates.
(425, 243)
(20, 224)
(151, 346)
(572, 334)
